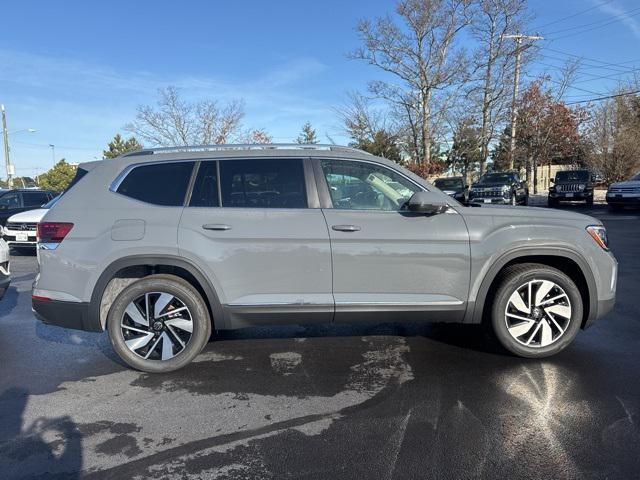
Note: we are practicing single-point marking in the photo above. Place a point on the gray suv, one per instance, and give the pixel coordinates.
(162, 247)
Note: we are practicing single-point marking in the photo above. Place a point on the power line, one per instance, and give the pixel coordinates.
(574, 15)
(582, 57)
(577, 27)
(624, 94)
(598, 26)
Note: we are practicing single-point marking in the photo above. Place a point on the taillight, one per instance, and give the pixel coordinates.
(52, 232)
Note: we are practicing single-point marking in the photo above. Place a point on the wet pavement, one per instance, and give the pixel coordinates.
(368, 401)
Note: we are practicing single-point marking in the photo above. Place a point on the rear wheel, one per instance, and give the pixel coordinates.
(158, 324)
(537, 310)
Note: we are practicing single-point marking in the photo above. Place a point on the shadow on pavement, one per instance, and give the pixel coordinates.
(24, 452)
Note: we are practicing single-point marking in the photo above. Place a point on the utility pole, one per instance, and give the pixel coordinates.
(7, 160)
(518, 37)
(53, 154)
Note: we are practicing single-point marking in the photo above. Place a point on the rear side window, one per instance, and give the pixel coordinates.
(205, 189)
(35, 199)
(160, 184)
(263, 183)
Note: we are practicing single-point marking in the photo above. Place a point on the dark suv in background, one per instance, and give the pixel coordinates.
(21, 200)
(500, 187)
(572, 185)
(454, 187)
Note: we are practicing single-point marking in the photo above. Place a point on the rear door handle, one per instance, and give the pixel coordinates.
(216, 226)
(346, 228)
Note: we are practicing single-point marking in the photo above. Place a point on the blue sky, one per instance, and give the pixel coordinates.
(76, 71)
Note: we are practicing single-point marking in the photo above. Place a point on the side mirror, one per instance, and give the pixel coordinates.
(427, 203)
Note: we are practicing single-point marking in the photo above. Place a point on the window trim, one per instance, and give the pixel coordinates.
(323, 187)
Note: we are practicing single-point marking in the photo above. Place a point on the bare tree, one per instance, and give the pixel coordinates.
(419, 56)
(613, 133)
(175, 121)
(493, 64)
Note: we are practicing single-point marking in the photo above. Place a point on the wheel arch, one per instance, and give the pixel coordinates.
(138, 266)
(565, 260)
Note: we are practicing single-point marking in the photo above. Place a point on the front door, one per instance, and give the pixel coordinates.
(387, 262)
(256, 228)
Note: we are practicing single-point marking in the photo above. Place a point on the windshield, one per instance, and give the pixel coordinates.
(572, 176)
(448, 183)
(497, 178)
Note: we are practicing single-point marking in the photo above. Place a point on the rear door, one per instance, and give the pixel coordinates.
(255, 226)
(388, 262)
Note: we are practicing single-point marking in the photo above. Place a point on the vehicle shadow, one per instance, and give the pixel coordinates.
(470, 337)
(24, 452)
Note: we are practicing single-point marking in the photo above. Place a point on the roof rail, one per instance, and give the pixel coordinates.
(248, 146)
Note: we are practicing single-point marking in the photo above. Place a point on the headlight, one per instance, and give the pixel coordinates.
(581, 186)
(599, 234)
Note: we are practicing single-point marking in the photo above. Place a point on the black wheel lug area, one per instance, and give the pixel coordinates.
(157, 326)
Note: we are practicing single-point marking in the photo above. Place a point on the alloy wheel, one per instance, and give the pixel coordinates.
(538, 313)
(157, 326)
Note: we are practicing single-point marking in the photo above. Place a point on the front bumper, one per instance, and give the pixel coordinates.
(494, 200)
(73, 315)
(571, 196)
(623, 199)
(11, 237)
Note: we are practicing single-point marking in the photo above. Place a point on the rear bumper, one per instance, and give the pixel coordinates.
(5, 281)
(73, 315)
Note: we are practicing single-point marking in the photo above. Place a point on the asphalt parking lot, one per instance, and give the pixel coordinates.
(386, 401)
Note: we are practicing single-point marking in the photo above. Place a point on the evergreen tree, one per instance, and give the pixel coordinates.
(58, 178)
(307, 135)
(119, 145)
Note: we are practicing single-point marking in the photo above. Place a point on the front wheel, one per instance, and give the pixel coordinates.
(158, 324)
(537, 310)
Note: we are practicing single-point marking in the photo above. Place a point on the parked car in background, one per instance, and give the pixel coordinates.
(5, 274)
(627, 193)
(180, 242)
(20, 229)
(454, 187)
(20, 200)
(501, 188)
(572, 185)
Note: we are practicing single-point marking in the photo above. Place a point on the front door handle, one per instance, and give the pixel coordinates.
(346, 228)
(216, 226)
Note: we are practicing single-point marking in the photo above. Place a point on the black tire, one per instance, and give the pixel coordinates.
(182, 290)
(552, 203)
(616, 208)
(590, 202)
(525, 202)
(513, 278)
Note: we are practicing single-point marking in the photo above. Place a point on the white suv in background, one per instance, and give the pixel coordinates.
(20, 230)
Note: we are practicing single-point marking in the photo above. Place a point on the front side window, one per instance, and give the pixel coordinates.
(263, 183)
(160, 184)
(11, 200)
(366, 186)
